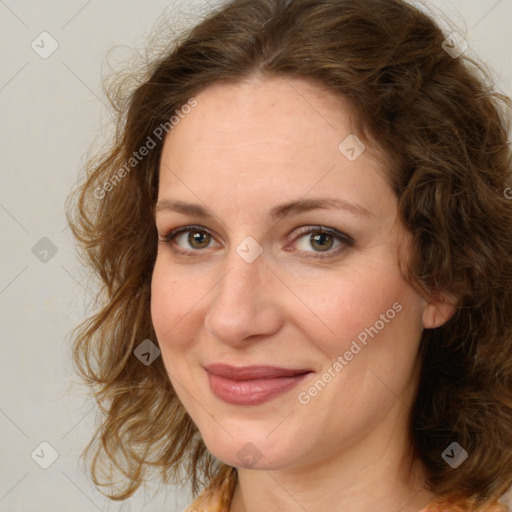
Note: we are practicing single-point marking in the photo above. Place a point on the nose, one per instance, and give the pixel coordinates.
(245, 302)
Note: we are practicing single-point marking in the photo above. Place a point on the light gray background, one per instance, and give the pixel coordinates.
(51, 111)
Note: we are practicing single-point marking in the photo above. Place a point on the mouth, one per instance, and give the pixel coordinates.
(252, 385)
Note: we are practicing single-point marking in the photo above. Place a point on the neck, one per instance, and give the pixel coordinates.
(377, 473)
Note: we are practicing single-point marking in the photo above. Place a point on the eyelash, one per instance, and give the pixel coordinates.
(346, 240)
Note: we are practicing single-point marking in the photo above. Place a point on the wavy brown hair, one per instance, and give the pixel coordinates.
(443, 129)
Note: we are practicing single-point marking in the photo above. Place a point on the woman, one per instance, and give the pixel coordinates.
(304, 239)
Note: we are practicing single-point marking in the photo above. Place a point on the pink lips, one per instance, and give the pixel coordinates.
(251, 385)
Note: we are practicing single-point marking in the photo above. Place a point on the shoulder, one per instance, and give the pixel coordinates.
(218, 494)
(210, 501)
(207, 501)
(448, 506)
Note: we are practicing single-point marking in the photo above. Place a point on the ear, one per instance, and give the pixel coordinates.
(438, 312)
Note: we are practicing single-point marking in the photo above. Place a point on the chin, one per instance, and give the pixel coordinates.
(253, 451)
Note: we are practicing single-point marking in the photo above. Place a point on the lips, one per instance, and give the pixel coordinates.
(251, 385)
(252, 372)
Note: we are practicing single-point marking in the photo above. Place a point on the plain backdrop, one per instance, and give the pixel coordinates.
(52, 109)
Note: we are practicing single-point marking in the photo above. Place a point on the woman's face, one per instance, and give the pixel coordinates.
(255, 283)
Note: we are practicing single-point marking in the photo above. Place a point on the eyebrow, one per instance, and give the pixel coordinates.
(277, 212)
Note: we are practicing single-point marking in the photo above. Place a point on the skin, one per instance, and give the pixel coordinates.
(242, 150)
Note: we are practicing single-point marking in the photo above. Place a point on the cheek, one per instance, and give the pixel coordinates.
(374, 325)
(161, 301)
(179, 296)
(169, 306)
(355, 302)
(171, 299)
(331, 309)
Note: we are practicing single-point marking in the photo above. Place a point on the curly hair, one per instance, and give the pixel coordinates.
(443, 128)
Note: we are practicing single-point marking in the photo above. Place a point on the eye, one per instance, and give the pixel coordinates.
(197, 238)
(322, 239)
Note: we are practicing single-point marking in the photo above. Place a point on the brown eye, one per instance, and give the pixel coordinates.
(188, 239)
(199, 238)
(323, 241)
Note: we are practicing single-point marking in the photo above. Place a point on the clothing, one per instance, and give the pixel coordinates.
(215, 501)
(212, 505)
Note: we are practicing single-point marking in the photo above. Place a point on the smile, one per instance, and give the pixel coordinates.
(252, 385)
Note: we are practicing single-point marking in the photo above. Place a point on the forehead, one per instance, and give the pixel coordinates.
(269, 111)
(275, 136)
